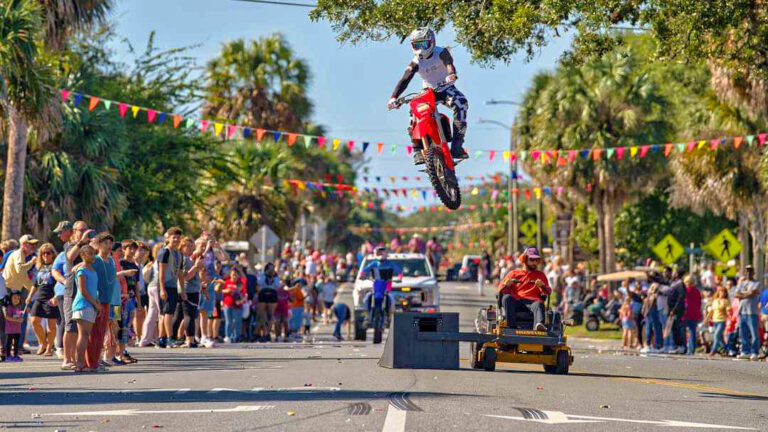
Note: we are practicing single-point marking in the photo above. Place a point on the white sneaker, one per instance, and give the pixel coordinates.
(753, 357)
(227, 340)
(645, 350)
(743, 357)
(59, 354)
(209, 343)
(678, 350)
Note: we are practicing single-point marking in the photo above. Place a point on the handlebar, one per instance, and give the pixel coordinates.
(410, 96)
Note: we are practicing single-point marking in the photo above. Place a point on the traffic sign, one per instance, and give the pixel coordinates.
(668, 249)
(725, 270)
(724, 246)
(528, 228)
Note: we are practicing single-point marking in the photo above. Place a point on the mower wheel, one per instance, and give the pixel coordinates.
(489, 359)
(474, 355)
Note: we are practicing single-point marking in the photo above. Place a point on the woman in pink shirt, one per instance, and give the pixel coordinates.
(692, 315)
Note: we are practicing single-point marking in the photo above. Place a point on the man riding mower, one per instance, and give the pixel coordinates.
(524, 332)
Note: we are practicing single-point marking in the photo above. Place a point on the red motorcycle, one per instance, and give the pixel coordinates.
(431, 131)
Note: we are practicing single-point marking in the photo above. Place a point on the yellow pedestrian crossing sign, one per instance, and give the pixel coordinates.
(528, 230)
(724, 246)
(668, 249)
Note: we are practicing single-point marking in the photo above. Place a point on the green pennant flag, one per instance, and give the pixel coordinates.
(190, 123)
(523, 155)
(609, 152)
(393, 148)
(750, 138)
(107, 103)
(307, 140)
(681, 147)
(478, 153)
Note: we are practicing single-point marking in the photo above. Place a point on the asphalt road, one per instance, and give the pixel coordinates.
(326, 385)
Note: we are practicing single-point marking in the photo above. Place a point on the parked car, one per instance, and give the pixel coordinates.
(469, 265)
(418, 285)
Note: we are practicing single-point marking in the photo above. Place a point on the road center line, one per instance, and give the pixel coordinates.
(395, 420)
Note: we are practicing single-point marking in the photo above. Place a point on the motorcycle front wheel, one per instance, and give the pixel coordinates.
(443, 180)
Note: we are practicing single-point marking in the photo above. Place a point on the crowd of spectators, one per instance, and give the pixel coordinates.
(88, 302)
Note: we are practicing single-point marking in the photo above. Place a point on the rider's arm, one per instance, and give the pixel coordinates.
(401, 85)
(447, 59)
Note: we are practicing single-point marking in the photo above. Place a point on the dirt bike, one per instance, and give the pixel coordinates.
(431, 131)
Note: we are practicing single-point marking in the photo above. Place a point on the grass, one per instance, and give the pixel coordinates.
(607, 331)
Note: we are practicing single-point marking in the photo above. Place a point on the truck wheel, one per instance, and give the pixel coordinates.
(474, 355)
(377, 335)
(563, 360)
(593, 324)
(489, 359)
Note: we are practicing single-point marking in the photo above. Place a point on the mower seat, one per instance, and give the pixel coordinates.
(523, 318)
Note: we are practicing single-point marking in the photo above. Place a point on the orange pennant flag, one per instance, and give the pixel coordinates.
(596, 154)
(260, 134)
(379, 147)
(737, 141)
(292, 139)
(667, 149)
(93, 104)
(176, 121)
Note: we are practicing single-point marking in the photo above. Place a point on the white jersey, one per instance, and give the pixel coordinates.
(432, 70)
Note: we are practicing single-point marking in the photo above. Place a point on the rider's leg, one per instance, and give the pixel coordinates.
(455, 100)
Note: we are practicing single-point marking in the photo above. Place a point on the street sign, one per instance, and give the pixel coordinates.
(725, 270)
(264, 238)
(668, 249)
(528, 228)
(724, 246)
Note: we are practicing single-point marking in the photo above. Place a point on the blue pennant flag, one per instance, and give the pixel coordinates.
(655, 148)
(161, 118)
(276, 135)
(424, 194)
(584, 154)
(77, 98)
(365, 146)
(548, 191)
(246, 132)
(378, 179)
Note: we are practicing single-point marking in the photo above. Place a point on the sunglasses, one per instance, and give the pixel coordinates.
(47, 253)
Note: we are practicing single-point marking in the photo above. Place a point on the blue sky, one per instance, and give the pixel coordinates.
(351, 83)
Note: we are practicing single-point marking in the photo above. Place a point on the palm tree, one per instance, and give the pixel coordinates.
(23, 79)
(25, 95)
(608, 102)
(260, 83)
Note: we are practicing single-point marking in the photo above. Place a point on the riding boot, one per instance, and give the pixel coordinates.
(457, 149)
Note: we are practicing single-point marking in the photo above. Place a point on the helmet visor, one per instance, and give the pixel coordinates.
(421, 44)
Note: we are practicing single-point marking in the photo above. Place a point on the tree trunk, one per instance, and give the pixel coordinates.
(600, 230)
(758, 233)
(610, 242)
(13, 193)
(744, 240)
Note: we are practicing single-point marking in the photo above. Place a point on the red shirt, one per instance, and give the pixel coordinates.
(525, 288)
(233, 295)
(692, 304)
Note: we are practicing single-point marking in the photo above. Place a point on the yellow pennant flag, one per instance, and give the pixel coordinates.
(302, 185)
(505, 155)
(217, 127)
(702, 144)
(632, 151)
(135, 111)
(475, 191)
(336, 144)
(537, 192)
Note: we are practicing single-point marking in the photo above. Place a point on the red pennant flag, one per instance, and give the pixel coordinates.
(491, 155)
(620, 152)
(761, 139)
(176, 121)
(379, 147)
(713, 144)
(93, 104)
(691, 145)
(667, 149)
(535, 154)
(644, 150)
(405, 179)
(350, 145)
(321, 142)
(65, 95)
(737, 141)
(231, 130)
(122, 109)
(589, 187)
(327, 178)
(571, 155)
(340, 178)
(151, 114)
(527, 194)
(204, 125)
(409, 150)
(260, 134)
(292, 137)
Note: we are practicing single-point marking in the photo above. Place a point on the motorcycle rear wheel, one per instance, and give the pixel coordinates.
(443, 180)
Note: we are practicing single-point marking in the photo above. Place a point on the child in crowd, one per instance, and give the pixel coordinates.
(628, 325)
(297, 308)
(718, 314)
(14, 314)
(282, 312)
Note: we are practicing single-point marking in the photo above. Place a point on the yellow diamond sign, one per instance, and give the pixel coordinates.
(528, 228)
(724, 246)
(668, 249)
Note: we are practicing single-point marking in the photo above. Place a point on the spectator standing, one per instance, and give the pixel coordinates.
(150, 273)
(269, 284)
(708, 277)
(193, 266)
(764, 314)
(170, 264)
(14, 313)
(718, 314)
(328, 294)
(81, 237)
(481, 277)
(628, 325)
(297, 308)
(16, 273)
(41, 297)
(747, 292)
(86, 308)
(104, 266)
(652, 321)
(692, 315)
(234, 297)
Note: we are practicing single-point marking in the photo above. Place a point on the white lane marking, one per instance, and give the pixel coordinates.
(182, 391)
(557, 417)
(395, 420)
(131, 412)
(219, 390)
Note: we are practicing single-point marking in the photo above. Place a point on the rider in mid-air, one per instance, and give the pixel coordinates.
(435, 66)
(383, 271)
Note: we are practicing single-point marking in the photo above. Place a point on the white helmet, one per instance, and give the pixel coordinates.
(423, 42)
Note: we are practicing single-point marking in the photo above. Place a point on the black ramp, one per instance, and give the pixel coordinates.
(404, 350)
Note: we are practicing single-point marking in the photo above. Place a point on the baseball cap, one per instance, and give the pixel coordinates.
(62, 226)
(28, 238)
(532, 253)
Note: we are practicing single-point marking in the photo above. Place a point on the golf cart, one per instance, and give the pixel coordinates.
(520, 344)
(609, 312)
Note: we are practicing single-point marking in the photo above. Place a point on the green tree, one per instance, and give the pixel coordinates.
(607, 103)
